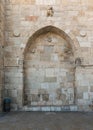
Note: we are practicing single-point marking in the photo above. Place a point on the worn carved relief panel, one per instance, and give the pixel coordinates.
(49, 72)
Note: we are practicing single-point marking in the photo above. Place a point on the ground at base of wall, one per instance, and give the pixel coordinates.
(46, 121)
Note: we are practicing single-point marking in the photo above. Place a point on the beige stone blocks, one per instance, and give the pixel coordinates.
(45, 86)
(46, 73)
(10, 62)
(84, 89)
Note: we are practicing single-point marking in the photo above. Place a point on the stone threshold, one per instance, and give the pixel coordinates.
(50, 108)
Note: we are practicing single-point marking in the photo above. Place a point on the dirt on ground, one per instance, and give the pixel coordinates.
(46, 121)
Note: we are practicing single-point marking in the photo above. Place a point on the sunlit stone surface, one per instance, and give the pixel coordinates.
(46, 54)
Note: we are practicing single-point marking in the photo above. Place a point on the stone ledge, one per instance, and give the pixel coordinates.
(51, 108)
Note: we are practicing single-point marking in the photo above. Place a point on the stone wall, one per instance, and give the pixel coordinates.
(1, 49)
(73, 19)
(49, 72)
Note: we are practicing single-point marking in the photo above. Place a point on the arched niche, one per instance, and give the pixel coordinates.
(49, 73)
(68, 37)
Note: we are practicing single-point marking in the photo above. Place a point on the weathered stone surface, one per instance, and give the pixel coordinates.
(47, 81)
(2, 27)
(39, 50)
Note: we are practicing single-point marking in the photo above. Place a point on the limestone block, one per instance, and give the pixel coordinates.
(34, 85)
(45, 2)
(45, 109)
(14, 93)
(19, 96)
(1, 77)
(48, 103)
(84, 82)
(35, 109)
(50, 72)
(48, 49)
(79, 76)
(52, 96)
(1, 63)
(14, 107)
(85, 44)
(52, 108)
(91, 96)
(50, 79)
(10, 62)
(31, 91)
(14, 100)
(45, 86)
(58, 109)
(13, 74)
(57, 102)
(62, 73)
(35, 98)
(41, 103)
(61, 79)
(14, 80)
(91, 88)
(54, 57)
(82, 88)
(62, 85)
(66, 108)
(45, 57)
(32, 18)
(40, 79)
(42, 91)
(17, 40)
(85, 95)
(70, 77)
(80, 95)
(73, 108)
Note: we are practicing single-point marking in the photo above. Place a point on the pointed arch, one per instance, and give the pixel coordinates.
(28, 60)
(71, 40)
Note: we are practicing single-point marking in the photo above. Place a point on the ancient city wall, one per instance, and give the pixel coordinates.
(26, 21)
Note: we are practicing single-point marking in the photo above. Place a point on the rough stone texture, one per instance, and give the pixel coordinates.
(40, 67)
(47, 67)
(2, 4)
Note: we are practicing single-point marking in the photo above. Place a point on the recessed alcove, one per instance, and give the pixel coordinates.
(49, 69)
